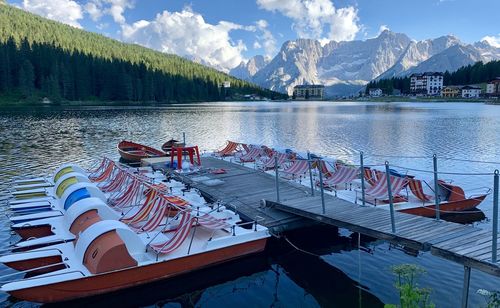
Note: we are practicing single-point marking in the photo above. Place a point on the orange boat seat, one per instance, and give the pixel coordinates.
(107, 252)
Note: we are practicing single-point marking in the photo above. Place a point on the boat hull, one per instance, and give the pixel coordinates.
(134, 152)
(117, 280)
(167, 146)
(446, 208)
(131, 157)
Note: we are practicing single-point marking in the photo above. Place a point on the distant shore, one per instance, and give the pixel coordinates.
(393, 99)
(5, 102)
(40, 103)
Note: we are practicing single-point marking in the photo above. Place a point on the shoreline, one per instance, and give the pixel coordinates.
(133, 104)
(405, 99)
(148, 104)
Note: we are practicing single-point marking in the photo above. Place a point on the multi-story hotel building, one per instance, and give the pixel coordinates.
(428, 83)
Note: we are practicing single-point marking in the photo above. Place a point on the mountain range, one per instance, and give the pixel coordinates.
(345, 67)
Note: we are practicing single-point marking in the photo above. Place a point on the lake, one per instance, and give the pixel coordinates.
(464, 136)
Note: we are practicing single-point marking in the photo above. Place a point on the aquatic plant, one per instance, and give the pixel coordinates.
(492, 298)
(410, 294)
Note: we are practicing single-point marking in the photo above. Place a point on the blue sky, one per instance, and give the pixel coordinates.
(222, 33)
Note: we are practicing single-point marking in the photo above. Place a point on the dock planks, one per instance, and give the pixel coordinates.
(242, 189)
(466, 245)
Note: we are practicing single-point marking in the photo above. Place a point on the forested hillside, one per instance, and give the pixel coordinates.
(470, 74)
(43, 58)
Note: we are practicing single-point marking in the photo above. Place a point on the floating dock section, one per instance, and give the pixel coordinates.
(245, 190)
(253, 194)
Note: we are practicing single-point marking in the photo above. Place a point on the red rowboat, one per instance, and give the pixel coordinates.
(134, 152)
(167, 146)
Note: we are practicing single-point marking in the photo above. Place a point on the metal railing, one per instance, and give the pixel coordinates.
(495, 218)
(390, 197)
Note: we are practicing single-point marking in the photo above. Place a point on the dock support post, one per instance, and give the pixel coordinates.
(436, 187)
(389, 193)
(184, 144)
(465, 292)
(495, 218)
(277, 178)
(310, 172)
(322, 189)
(362, 178)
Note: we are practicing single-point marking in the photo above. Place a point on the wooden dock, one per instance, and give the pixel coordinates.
(253, 194)
(459, 243)
(243, 189)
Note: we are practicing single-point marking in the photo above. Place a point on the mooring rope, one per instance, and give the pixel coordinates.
(299, 249)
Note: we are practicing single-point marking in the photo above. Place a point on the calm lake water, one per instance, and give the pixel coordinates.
(465, 138)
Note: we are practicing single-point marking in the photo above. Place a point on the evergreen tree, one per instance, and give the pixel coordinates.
(27, 79)
(126, 89)
(54, 93)
(66, 82)
(13, 61)
(4, 70)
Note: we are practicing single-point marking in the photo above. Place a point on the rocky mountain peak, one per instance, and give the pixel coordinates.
(246, 70)
(348, 65)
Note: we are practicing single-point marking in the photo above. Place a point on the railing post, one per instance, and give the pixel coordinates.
(465, 291)
(184, 138)
(436, 186)
(322, 190)
(495, 218)
(389, 193)
(362, 178)
(310, 172)
(277, 178)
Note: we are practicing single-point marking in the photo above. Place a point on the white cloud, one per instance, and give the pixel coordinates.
(492, 40)
(118, 7)
(381, 29)
(257, 45)
(115, 8)
(65, 11)
(266, 38)
(187, 34)
(94, 9)
(344, 25)
(102, 26)
(311, 17)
